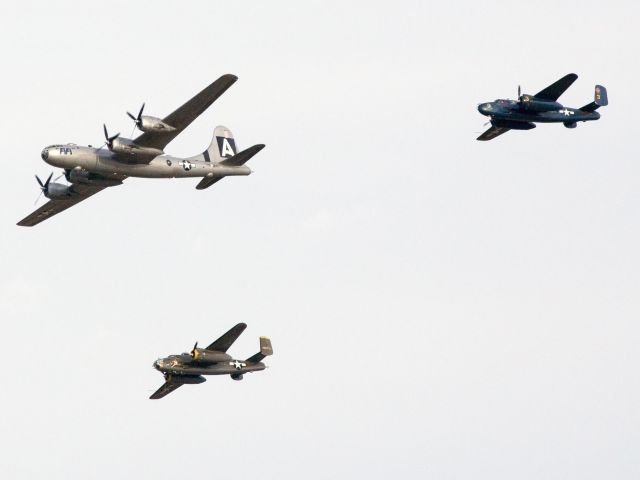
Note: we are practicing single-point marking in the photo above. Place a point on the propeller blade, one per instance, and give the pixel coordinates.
(46, 184)
(39, 181)
(37, 199)
(140, 112)
(111, 138)
(131, 116)
(519, 92)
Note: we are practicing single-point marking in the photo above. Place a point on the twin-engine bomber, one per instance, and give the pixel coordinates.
(90, 170)
(543, 107)
(189, 368)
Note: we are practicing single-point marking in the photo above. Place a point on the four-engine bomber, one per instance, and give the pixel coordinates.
(88, 170)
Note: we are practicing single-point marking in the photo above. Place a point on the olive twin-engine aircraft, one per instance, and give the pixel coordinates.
(189, 368)
(542, 107)
(90, 170)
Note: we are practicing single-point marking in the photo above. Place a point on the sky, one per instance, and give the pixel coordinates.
(439, 307)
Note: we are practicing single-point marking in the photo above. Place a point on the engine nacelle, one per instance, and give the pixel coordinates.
(570, 124)
(208, 357)
(237, 376)
(153, 124)
(78, 175)
(58, 191)
(129, 147)
(532, 104)
(188, 379)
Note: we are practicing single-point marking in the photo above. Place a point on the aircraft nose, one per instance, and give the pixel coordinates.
(45, 154)
(482, 109)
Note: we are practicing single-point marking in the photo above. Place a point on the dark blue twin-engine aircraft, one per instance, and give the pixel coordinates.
(543, 107)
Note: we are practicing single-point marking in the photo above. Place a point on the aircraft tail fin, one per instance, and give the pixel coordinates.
(600, 100)
(223, 150)
(222, 147)
(265, 350)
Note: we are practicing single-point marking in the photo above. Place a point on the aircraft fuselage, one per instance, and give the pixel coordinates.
(107, 164)
(184, 365)
(541, 112)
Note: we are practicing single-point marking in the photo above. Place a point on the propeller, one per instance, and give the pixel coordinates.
(137, 120)
(44, 187)
(193, 350)
(519, 92)
(109, 139)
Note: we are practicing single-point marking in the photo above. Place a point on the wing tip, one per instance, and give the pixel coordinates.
(229, 77)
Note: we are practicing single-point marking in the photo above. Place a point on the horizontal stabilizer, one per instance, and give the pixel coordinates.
(265, 350)
(206, 182)
(242, 157)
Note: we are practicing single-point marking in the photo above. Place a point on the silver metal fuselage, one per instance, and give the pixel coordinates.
(106, 163)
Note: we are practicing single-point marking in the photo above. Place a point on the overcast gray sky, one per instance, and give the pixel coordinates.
(439, 307)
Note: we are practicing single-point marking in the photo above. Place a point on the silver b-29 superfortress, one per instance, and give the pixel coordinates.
(90, 170)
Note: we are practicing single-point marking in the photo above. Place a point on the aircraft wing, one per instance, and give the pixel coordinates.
(553, 91)
(168, 387)
(492, 133)
(187, 113)
(225, 341)
(53, 207)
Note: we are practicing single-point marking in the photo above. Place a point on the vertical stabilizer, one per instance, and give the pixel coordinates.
(222, 147)
(265, 350)
(600, 99)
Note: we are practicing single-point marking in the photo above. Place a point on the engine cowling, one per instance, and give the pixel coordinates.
(208, 357)
(78, 175)
(129, 147)
(58, 191)
(237, 376)
(153, 124)
(570, 124)
(532, 104)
